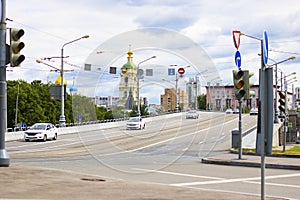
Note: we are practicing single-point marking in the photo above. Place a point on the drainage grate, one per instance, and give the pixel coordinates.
(92, 179)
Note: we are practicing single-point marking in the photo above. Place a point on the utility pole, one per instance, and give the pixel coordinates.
(4, 157)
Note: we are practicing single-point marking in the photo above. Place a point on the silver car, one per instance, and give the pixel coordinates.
(192, 114)
(41, 131)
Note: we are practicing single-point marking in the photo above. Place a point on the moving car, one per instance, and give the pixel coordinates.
(135, 123)
(254, 111)
(229, 111)
(41, 131)
(192, 114)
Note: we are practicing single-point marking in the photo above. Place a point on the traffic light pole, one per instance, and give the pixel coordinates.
(240, 129)
(4, 157)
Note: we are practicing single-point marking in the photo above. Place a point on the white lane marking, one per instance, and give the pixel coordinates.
(235, 180)
(275, 184)
(176, 174)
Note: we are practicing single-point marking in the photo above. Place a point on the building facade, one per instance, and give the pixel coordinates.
(128, 86)
(168, 100)
(220, 98)
(106, 101)
(297, 97)
(192, 89)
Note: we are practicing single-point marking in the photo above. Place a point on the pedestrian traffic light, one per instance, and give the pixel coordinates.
(16, 46)
(282, 101)
(239, 83)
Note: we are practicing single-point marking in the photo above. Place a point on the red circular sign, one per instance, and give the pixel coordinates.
(181, 70)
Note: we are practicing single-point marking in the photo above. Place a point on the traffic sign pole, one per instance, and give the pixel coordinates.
(4, 157)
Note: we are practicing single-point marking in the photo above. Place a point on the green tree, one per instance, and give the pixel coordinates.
(202, 101)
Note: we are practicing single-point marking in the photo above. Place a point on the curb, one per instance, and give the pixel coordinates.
(248, 164)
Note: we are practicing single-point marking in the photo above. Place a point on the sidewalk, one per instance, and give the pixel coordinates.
(250, 160)
(19, 182)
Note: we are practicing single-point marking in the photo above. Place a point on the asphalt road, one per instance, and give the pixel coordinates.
(167, 152)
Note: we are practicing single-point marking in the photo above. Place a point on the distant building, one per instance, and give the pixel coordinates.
(107, 101)
(168, 100)
(193, 91)
(297, 99)
(128, 87)
(220, 98)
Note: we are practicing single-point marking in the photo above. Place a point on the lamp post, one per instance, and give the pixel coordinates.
(285, 90)
(138, 84)
(176, 87)
(276, 120)
(62, 119)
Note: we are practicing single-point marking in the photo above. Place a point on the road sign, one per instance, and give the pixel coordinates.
(236, 38)
(265, 47)
(238, 59)
(181, 71)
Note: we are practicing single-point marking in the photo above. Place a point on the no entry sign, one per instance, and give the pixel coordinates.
(181, 71)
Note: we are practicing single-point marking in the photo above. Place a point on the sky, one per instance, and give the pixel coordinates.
(182, 33)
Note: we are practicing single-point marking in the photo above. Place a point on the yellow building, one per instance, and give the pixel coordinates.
(128, 87)
(168, 100)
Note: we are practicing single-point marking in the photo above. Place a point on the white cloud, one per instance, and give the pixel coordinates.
(49, 24)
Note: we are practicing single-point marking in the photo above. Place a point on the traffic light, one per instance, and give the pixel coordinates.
(282, 101)
(16, 46)
(239, 83)
(248, 84)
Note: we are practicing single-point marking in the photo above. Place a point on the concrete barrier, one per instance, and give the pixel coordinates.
(12, 136)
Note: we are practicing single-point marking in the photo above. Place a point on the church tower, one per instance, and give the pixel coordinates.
(129, 82)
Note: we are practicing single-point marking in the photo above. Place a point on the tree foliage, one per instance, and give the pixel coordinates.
(202, 102)
(30, 103)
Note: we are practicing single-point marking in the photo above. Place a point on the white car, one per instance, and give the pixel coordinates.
(254, 111)
(41, 131)
(192, 114)
(229, 111)
(135, 123)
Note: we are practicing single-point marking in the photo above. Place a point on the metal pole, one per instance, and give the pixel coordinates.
(196, 93)
(4, 157)
(284, 122)
(62, 120)
(276, 120)
(17, 105)
(209, 95)
(263, 122)
(240, 129)
(138, 84)
(176, 90)
(138, 93)
(293, 97)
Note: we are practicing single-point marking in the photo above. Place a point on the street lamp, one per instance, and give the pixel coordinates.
(62, 119)
(138, 83)
(276, 120)
(176, 87)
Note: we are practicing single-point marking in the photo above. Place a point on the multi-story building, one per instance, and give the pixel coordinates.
(220, 98)
(297, 99)
(192, 89)
(107, 101)
(168, 100)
